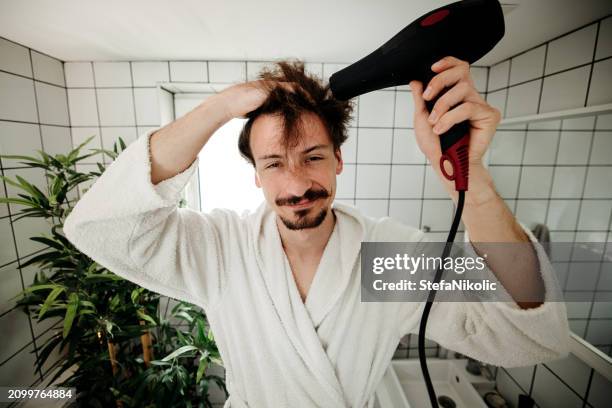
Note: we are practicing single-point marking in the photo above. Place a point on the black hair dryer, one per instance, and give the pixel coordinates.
(466, 30)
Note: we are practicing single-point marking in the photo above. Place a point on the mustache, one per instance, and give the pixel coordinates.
(309, 195)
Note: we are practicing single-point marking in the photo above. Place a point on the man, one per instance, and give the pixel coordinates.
(281, 286)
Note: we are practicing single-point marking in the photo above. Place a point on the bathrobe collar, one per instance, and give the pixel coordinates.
(301, 320)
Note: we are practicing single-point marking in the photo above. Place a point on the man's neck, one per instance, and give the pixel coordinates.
(307, 242)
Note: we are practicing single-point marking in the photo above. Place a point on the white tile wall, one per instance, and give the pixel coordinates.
(506, 180)
(147, 106)
(407, 181)
(3, 207)
(602, 146)
(18, 139)
(376, 109)
(437, 214)
(571, 50)
(52, 104)
(15, 323)
(598, 183)
(531, 212)
(405, 147)
(404, 109)
(527, 66)
(599, 91)
(479, 76)
(116, 107)
(254, 68)
(7, 252)
(150, 73)
(57, 139)
(17, 100)
(373, 208)
(574, 147)
(15, 58)
(346, 182)
(565, 90)
(568, 182)
(592, 213)
(535, 182)
(523, 99)
(373, 181)
(562, 214)
(541, 147)
(79, 74)
(573, 371)
(433, 185)
(498, 76)
(497, 99)
(48, 69)
(112, 74)
(188, 71)
(580, 123)
(604, 40)
(226, 71)
(26, 228)
(407, 211)
(329, 69)
(83, 107)
(349, 147)
(507, 147)
(374, 145)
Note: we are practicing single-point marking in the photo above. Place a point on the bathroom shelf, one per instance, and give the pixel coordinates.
(562, 114)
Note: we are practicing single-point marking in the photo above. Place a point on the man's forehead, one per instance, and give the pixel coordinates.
(267, 136)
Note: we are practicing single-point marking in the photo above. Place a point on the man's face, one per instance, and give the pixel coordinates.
(299, 183)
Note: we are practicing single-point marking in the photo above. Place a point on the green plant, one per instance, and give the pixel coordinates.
(106, 321)
(189, 348)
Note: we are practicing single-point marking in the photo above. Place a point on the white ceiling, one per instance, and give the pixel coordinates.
(316, 30)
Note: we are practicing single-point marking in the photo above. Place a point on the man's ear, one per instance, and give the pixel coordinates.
(340, 164)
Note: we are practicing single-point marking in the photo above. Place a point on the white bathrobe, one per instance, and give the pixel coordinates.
(330, 351)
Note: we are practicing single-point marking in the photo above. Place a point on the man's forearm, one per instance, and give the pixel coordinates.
(175, 146)
(487, 218)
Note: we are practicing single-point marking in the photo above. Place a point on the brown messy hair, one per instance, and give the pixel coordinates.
(309, 95)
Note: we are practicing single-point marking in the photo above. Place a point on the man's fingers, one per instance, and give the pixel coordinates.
(447, 62)
(445, 79)
(416, 88)
(465, 111)
(461, 91)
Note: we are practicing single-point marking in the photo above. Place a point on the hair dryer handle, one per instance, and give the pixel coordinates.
(454, 144)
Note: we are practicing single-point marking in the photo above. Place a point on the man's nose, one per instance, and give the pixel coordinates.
(297, 182)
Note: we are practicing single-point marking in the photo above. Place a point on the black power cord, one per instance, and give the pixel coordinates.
(430, 299)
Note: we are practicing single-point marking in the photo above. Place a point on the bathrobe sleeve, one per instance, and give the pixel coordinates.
(501, 333)
(136, 230)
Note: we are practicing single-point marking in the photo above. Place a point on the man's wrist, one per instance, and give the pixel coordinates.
(481, 189)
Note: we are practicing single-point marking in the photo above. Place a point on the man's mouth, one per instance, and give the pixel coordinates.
(303, 203)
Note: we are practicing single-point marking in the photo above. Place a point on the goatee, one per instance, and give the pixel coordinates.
(304, 222)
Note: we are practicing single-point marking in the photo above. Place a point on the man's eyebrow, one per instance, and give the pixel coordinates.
(308, 150)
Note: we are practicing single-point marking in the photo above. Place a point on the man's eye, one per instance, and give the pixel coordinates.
(315, 158)
(272, 165)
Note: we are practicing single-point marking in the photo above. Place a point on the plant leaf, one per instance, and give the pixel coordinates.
(50, 299)
(178, 352)
(73, 305)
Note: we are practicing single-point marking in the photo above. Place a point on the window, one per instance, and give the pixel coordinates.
(227, 180)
